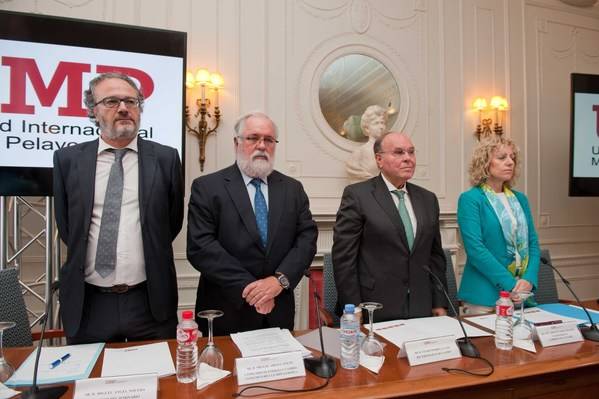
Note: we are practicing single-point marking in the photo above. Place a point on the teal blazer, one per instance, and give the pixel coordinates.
(485, 273)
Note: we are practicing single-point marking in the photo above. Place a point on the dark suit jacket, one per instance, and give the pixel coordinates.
(224, 245)
(371, 259)
(161, 207)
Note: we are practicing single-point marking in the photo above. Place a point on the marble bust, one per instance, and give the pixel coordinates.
(361, 164)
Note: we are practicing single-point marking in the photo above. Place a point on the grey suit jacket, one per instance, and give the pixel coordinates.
(161, 207)
(371, 259)
(224, 245)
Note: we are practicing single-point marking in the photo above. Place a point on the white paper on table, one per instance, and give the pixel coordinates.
(485, 320)
(539, 316)
(6, 392)
(399, 331)
(208, 375)
(372, 363)
(143, 386)
(267, 341)
(141, 359)
(533, 315)
(78, 366)
(526, 344)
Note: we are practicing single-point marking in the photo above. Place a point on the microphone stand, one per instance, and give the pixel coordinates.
(50, 392)
(325, 366)
(591, 332)
(467, 347)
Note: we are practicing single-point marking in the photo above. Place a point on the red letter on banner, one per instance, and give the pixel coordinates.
(596, 109)
(20, 68)
(145, 81)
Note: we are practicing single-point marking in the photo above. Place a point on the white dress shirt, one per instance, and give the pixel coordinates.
(407, 201)
(130, 266)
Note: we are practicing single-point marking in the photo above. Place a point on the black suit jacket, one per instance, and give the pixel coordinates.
(161, 207)
(371, 259)
(224, 245)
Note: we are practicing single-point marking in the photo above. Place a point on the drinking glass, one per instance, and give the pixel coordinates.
(371, 346)
(522, 329)
(211, 355)
(6, 370)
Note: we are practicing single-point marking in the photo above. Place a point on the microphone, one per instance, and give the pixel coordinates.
(325, 366)
(51, 392)
(591, 332)
(467, 347)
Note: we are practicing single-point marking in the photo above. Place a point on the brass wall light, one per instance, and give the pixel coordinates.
(498, 106)
(203, 79)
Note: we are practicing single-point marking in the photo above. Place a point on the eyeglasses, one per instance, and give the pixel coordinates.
(400, 152)
(254, 140)
(112, 102)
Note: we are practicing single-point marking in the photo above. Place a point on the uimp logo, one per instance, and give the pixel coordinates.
(69, 73)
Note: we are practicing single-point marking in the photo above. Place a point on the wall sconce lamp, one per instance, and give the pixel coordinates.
(203, 79)
(497, 104)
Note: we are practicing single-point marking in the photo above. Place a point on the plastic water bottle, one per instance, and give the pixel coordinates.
(350, 329)
(504, 308)
(187, 349)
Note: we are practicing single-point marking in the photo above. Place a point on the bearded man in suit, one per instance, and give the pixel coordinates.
(119, 205)
(386, 230)
(251, 235)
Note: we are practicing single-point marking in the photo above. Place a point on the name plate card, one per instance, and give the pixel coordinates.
(143, 386)
(431, 350)
(557, 334)
(251, 370)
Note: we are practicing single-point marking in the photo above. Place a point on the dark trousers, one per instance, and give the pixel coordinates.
(114, 317)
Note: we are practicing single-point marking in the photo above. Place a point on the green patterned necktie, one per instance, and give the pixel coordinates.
(405, 217)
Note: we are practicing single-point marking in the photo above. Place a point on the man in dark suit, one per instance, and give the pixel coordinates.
(250, 234)
(119, 205)
(386, 230)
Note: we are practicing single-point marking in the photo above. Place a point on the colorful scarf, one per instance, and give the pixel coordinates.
(516, 236)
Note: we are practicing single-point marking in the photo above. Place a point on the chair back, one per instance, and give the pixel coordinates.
(13, 308)
(329, 289)
(547, 288)
(452, 287)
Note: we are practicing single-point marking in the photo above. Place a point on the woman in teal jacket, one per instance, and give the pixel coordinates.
(497, 229)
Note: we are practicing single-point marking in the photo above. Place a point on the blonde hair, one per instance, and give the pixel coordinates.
(482, 155)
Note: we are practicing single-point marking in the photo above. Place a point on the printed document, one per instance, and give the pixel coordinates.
(141, 359)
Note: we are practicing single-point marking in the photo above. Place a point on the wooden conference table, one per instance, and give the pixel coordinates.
(565, 371)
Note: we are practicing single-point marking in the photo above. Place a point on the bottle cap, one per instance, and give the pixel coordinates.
(504, 294)
(349, 308)
(187, 314)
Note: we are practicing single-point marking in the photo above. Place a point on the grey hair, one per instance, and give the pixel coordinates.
(240, 123)
(90, 101)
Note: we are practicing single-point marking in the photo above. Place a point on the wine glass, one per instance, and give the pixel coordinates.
(211, 355)
(6, 370)
(522, 329)
(371, 347)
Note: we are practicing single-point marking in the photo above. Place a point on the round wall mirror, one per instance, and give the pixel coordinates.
(351, 84)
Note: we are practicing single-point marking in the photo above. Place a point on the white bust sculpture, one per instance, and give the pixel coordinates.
(361, 164)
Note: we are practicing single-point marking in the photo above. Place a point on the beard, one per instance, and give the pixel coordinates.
(253, 166)
(114, 132)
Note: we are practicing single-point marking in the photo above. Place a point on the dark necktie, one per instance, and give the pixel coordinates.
(261, 212)
(111, 215)
(405, 217)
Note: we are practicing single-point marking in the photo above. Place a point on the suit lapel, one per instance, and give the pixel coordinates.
(147, 168)
(383, 198)
(420, 211)
(276, 201)
(86, 166)
(235, 185)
